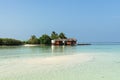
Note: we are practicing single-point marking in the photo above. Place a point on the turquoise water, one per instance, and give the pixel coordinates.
(93, 62)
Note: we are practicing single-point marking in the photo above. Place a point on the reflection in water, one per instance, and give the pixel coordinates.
(35, 51)
(57, 49)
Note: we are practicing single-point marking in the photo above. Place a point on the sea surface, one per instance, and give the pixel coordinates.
(90, 62)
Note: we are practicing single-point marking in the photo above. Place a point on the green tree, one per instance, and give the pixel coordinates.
(54, 35)
(8, 41)
(45, 39)
(0, 41)
(33, 40)
(62, 36)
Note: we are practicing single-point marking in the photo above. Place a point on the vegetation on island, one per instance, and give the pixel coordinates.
(54, 35)
(46, 39)
(33, 40)
(9, 41)
(62, 36)
(43, 39)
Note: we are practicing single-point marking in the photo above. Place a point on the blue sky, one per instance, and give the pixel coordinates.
(86, 20)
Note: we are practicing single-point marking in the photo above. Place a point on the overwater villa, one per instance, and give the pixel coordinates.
(69, 41)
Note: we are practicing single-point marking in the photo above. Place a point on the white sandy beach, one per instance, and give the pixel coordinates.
(52, 60)
(65, 59)
(18, 65)
(28, 45)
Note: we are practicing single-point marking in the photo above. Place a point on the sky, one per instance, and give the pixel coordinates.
(85, 20)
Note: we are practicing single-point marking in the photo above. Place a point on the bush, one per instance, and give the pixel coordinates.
(8, 41)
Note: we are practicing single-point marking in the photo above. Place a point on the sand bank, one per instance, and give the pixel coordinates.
(53, 60)
(34, 64)
(31, 45)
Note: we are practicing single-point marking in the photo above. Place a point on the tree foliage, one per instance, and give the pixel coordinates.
(0, 41)
(33, 40)
(9, 41)
(45, 39)
(54, 35)
(62, 36)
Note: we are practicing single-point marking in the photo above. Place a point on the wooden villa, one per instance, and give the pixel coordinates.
(69, 41)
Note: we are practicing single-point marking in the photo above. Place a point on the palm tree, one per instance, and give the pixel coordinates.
(33, 40)
(62, 36)
(54, 35)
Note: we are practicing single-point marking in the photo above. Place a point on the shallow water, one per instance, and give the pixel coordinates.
(94, 62)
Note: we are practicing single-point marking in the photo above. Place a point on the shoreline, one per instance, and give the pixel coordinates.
(31, 45)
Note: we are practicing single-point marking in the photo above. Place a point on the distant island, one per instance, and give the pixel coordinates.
(54, 39)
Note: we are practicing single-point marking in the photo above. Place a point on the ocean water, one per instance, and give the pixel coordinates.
(92, 62)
